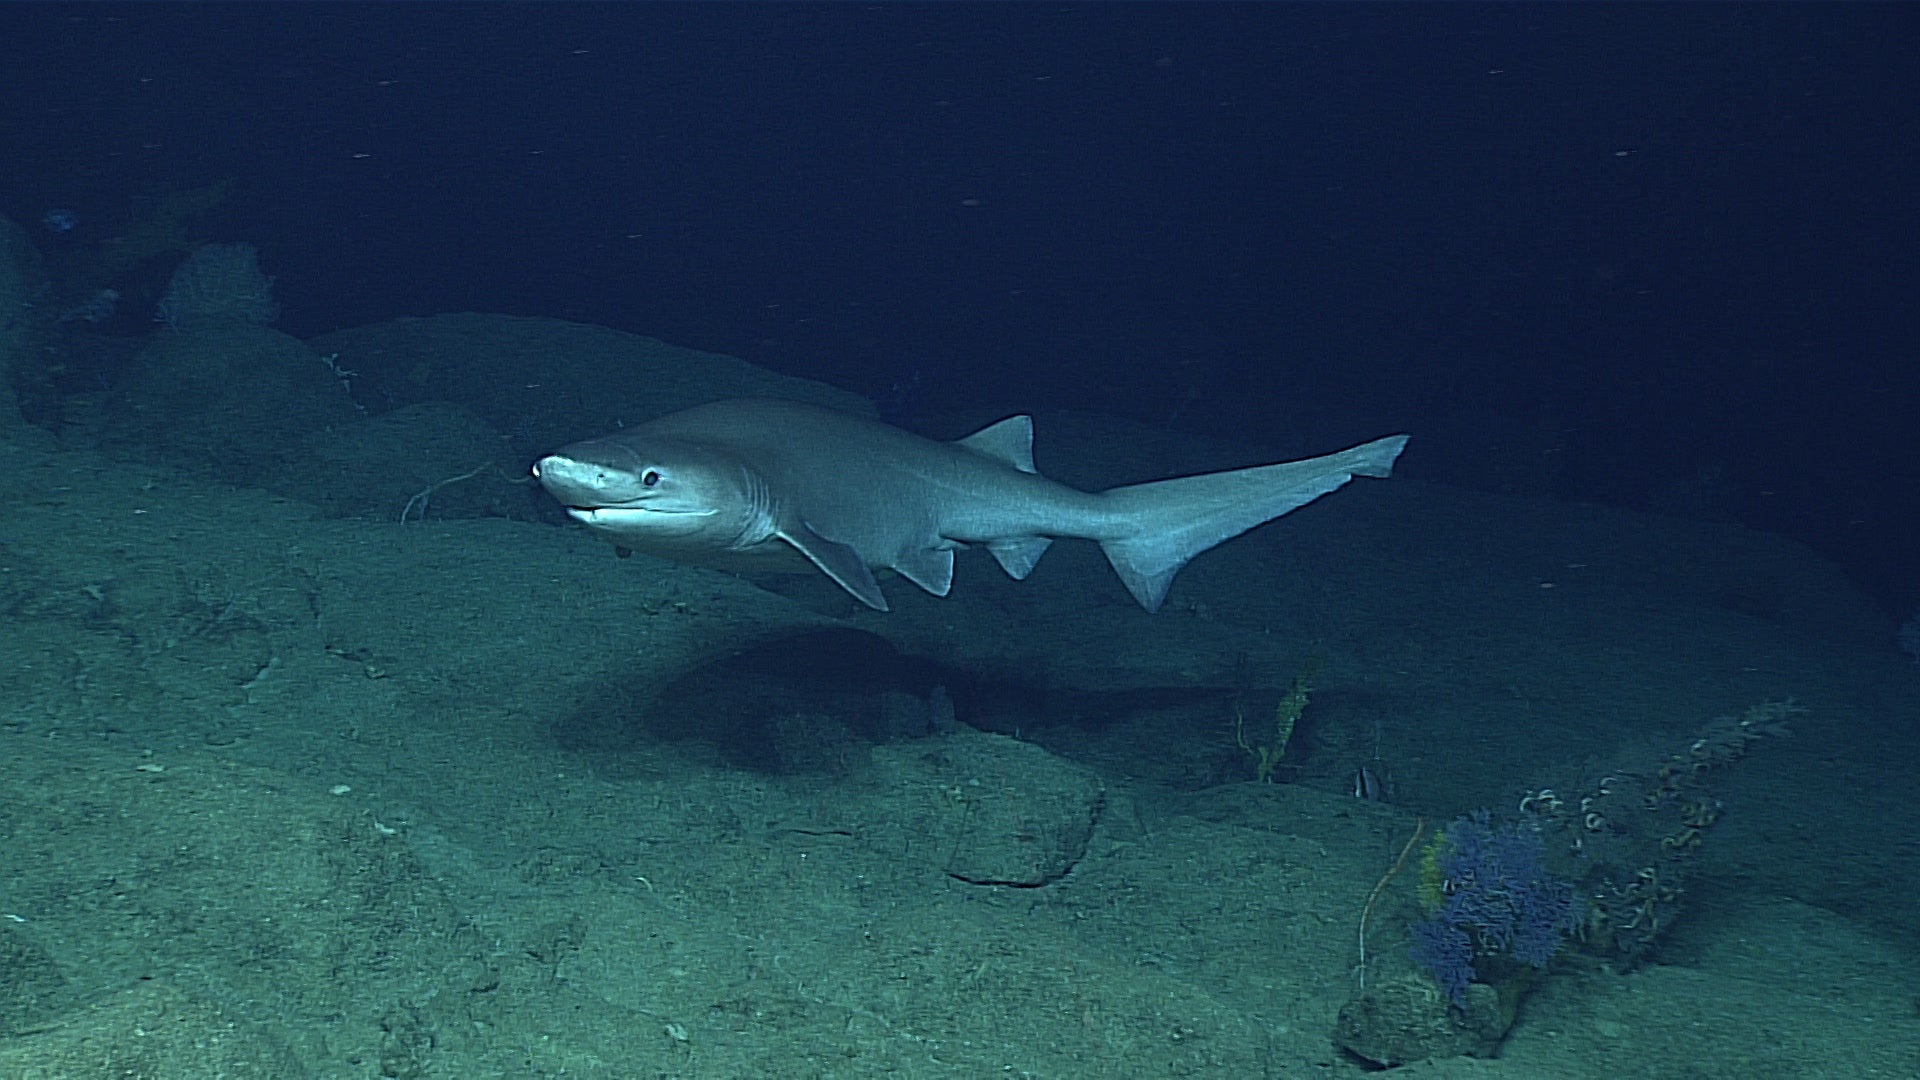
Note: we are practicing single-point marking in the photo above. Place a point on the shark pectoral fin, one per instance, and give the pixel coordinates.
(1009, 442)
(839, 562)
(930, 568)
(1017, 556)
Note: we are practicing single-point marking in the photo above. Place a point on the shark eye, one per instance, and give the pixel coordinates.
(649, 478)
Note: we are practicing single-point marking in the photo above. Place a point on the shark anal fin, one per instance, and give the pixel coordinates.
(1018, 554)
(841, 563)
(930, 568)
(1009, 442)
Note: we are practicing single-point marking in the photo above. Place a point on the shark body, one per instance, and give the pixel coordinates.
(734, 482)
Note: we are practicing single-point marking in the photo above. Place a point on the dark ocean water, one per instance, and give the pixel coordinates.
(1657, 256)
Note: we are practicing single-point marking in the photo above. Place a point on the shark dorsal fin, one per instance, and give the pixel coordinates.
(1009, 442)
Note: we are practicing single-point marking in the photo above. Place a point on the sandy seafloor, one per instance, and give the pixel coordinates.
(287, 793)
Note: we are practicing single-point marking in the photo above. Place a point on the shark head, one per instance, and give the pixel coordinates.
(656, 492)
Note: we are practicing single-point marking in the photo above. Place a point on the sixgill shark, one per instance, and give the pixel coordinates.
(733, 482)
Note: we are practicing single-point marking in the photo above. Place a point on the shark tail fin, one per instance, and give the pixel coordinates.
(1168, 522)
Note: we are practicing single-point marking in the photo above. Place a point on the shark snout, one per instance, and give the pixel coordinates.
(577, 483)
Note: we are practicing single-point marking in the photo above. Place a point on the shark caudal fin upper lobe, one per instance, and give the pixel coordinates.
(1171, 521)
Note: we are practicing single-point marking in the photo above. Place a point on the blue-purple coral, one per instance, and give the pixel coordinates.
(1499, 900)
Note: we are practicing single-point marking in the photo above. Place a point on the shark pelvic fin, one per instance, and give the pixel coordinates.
(931, 568)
